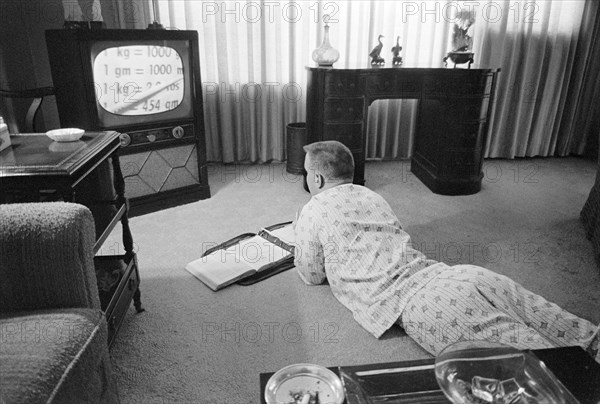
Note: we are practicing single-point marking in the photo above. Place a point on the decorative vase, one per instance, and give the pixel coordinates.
(325, 55)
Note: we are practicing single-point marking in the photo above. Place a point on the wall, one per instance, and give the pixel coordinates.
(23, 56)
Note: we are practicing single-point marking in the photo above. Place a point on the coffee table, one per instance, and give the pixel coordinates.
(578, 372)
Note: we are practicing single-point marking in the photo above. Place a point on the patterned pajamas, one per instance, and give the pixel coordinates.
(467, 302)
(350, 236)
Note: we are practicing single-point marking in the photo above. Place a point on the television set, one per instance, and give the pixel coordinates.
(146, 85)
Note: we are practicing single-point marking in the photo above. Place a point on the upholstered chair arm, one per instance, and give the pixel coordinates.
(46, 257)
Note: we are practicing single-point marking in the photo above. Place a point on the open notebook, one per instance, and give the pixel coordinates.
(243, 257)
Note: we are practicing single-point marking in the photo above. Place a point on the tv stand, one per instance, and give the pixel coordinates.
(36, 169)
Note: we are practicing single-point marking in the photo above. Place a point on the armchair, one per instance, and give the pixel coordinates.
(53, 335)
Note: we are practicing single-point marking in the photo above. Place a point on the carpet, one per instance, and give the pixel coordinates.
(193, 345)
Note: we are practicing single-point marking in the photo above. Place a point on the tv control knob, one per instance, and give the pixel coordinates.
(177, 132)
(125, 139)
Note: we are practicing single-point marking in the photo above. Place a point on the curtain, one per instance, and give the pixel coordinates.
(125, 14)
(133, 14)
(535, 44)
(583, 129)
(253, 57)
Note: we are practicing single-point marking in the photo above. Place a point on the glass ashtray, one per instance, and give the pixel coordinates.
(480, 372)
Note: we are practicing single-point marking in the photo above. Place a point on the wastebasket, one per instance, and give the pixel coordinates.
(296, 139)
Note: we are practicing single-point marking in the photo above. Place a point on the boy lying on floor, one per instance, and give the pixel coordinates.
(350, 236)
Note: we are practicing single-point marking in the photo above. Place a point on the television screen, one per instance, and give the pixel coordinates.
(140, 79)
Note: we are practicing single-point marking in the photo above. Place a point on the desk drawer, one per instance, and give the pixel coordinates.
(394, 85)
(381, 84)
(464, 84)
(344, 109)
(465, 110)
(349, 134)
(343, 84)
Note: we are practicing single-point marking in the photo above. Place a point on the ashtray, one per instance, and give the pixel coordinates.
(481, 372)
(304, 383)
(65, 134)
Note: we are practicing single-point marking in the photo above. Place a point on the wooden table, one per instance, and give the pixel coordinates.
(37, 169)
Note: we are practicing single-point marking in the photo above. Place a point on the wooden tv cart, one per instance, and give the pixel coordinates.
(37, 169)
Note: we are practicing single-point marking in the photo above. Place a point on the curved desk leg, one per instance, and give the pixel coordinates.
(127, 238)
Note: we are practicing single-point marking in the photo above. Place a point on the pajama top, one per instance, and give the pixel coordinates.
(350, 236)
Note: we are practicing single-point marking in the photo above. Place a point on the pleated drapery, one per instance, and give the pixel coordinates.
(253, 57)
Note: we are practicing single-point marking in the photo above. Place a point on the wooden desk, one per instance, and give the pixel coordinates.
(452, 119)
(36, 169)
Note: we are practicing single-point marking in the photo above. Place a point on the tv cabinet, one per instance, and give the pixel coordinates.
(452, 120)
(163, 151)
(88, 171)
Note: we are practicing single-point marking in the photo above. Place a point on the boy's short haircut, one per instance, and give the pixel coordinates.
(333, 159)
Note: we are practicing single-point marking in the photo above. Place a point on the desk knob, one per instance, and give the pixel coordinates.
(151, 138)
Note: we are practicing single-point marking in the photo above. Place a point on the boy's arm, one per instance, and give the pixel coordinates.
(308, 256)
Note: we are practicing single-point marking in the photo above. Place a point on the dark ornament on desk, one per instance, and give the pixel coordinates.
(84, 25)
(397, 60)
(155, 25)
(462, 41)
(376, 59)
(459, 58)
(325, 55)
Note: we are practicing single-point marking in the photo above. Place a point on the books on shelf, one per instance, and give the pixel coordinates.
(248, 257)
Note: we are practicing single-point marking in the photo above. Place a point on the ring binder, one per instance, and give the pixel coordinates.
(208, 272)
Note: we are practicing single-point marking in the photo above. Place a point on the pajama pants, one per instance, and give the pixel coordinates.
(467, 303)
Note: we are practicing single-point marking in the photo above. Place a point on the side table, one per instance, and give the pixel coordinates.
(36, 169)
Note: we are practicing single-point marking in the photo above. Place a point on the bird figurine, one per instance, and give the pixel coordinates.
(397, 60)
(375, 54)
